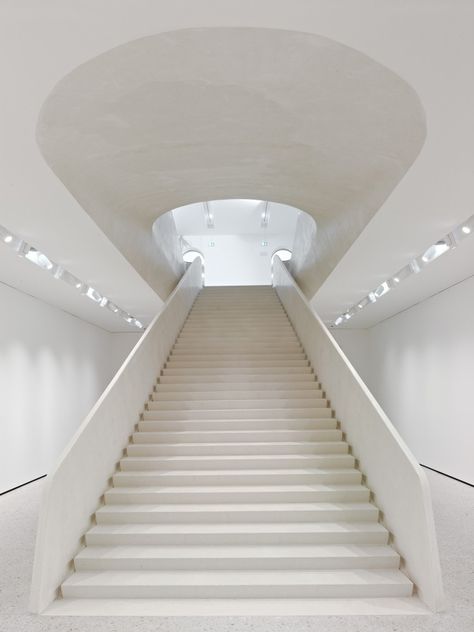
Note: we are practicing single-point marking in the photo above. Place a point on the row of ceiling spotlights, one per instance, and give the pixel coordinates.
(23, 249)
(448, 242)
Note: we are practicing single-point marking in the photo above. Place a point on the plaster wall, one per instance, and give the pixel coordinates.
(53, 367)
(419, 365)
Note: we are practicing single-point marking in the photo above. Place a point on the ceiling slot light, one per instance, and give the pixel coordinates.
(372, 298)
(112, 307)
(93, 294)
(39, 259)
(436, 250)
(382, 289)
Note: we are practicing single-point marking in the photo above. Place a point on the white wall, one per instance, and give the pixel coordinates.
(238, 259)
(53, 367)
(421, 370)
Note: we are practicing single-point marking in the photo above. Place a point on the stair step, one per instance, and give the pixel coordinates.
(236, 477)
(236, 404)
(240, 557)
(239, 533)
(237, 494)
(240, 371)
(271, 388)
(337, 458)
(233, 448)
(237, 424)
(250, 394)
(238, 413)
(238, 513)
(174, 363)
(228, 584)
(239, 436)
(226, 379)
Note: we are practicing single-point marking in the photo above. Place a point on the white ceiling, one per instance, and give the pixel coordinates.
(429, 44)
(207, 113)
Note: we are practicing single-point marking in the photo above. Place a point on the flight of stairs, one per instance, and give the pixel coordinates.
(238, 482)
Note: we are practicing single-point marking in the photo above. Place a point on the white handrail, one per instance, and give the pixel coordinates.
(397, 481)
(73, 490)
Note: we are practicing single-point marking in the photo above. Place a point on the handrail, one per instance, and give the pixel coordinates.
(74, 488)
(397, 481)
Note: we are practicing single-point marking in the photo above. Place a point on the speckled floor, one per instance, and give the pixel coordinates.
(454, 514)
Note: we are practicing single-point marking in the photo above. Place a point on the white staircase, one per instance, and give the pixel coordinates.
(238, 483)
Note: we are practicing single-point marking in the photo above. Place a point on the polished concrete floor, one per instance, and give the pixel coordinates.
(454, 514)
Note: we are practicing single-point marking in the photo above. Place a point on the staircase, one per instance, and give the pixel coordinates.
(238, 483)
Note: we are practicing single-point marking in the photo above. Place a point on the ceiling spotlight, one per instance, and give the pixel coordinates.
(465, 229)
(8, 239)
(338, 321)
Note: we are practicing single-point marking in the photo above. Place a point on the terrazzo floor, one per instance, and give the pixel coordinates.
(454, 515)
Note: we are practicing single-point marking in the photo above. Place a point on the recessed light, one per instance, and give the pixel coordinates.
(465, 229)
(264, 243)
(8, 239)
(435, 251)
(212, 244)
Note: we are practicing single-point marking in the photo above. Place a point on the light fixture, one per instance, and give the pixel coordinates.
(436, 250)
(209, 217)
(38, 258)
(382, 289)
(264, 243)
(265, 216)
(212, 244)
(415, 266)
(41, 260)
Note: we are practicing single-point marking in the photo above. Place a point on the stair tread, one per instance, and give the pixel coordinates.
(174, 489)
(239, 472)
(239, 550)
(238, 577)
(238, 457)
(226, 507)
(239, 528)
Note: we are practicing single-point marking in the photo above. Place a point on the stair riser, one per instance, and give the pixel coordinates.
(333, 460)
(241, 516)
(351, 477)
(245, 424)
(241, 563)
(117, 497)
(236, 539)
(229, 592)
(239, 437)
(242, 413)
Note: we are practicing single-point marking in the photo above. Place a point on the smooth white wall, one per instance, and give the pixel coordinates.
(238, 259)
(53, 367)
(421, 370)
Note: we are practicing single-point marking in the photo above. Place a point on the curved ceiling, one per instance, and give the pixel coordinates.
(213, 113)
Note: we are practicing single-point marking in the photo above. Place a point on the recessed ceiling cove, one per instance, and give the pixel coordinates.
(214, 113)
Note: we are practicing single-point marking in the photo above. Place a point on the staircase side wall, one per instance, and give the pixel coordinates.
(73, 490)
(398, 482)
